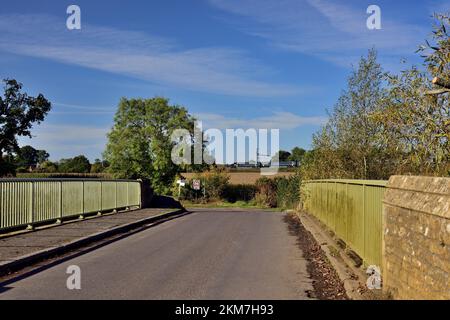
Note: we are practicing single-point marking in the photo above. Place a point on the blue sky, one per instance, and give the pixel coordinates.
(232, 63)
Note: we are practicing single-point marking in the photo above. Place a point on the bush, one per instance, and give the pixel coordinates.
(239, 192)
(215, 184)
(288, 192)
(213, 187)
(7, 168)
(266, 195)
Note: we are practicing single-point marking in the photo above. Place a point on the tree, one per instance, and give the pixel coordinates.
(297, 154)
(42, 156)
(347, 146)
(282, 155)
(416, 118)
(438, 61)
(99, 166)
(79, 164)
(386, 124)
(28, 156)
(18, 113)
(48, 167)
(139, 144)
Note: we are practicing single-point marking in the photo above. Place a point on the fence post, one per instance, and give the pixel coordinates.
(364, 222)
(346, 212)
(128, 195)
(115, 199)
(60, 203)
(82, 200)
(101, 199)
(31, 212)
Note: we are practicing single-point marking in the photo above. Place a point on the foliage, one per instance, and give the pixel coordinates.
(266, 195)
(438, 61)
(386, 124)
(28, 156)
(7, 166)
(297, 154)
(18, 112)
(99, 166)
(139, 144)
(288, 192)
(346, 147)
(282, 155)
(239, 192)
(48, 167)
(416, 126)
(214, 184)
(79, 164)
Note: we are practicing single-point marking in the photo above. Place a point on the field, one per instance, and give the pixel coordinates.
(245, 177)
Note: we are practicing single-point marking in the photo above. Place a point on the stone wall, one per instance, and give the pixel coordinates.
(416, 239)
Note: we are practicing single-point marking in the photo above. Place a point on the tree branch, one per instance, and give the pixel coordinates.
(445, 84)
(437, 91)
(441, 82)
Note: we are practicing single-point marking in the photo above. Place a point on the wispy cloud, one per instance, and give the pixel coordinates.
(68, 140)
(65, 108)
(158, 60)
(277, 120)
(325, 29)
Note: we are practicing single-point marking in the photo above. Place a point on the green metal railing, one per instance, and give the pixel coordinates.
(25, 202)
(352, 209)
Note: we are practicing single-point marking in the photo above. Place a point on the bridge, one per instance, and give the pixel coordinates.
(125, 251)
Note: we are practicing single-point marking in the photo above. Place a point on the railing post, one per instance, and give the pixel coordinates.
(346, 212)
(60, 203)
(128, 195)
(364, 222)
(31, 212)
(82, 200)
(115, 206)
(101, 199)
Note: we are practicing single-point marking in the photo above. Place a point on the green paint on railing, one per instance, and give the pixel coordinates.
(352, 209)
(29, 201)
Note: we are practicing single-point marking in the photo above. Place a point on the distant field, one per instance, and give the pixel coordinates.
(245, 177)
(37, 175)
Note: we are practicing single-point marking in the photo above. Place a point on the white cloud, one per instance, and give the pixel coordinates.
(277, 120)
(135, 54)
(68, 140)
(64, 108)
(330, 30)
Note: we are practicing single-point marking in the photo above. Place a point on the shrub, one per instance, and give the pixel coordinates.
(288, 192)
(239, 192)
(213, 187)
(215, 184)
(266, 195)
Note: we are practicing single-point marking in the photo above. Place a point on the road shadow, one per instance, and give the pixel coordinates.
(165, 203)
(55, 260)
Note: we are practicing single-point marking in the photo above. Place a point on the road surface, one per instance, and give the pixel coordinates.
(209, 254)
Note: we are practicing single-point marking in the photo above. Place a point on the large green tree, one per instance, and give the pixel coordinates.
(29, 156)
(78, 164)
(139, 144)
(18, 113)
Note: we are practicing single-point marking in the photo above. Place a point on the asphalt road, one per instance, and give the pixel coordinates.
(209, 254)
